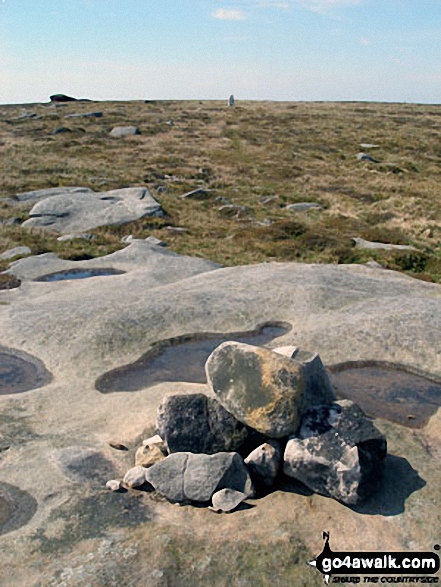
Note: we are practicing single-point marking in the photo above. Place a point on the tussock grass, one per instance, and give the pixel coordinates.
(258, 157)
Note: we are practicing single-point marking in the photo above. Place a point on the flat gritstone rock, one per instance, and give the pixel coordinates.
(20, 372)
(17, 507)
(388, 391)
(79, 274)
(181, 359)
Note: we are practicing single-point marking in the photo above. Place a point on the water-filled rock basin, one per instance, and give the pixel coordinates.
(20, 372)
(17, 507)
(181, 359)
(78, 273)
(385, 390)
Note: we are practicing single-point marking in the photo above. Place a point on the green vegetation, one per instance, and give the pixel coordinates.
(258, 157)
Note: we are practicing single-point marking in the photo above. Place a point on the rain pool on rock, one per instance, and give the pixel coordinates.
(20, 372)
(181, 359)
(78, 273)
(384, 390)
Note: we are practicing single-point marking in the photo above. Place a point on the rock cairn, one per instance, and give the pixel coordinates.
(275, 416)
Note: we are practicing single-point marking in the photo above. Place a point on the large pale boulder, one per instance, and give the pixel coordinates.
(338, 453)
(266, 390)
(195, 423)
(196, 477)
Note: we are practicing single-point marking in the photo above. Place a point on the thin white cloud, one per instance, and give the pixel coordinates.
(326, 5)
(229, 14)
(365, 42)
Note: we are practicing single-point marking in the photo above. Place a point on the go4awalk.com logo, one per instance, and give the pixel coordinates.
(345, 567)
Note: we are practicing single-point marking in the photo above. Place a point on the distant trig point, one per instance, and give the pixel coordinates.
(231, 100)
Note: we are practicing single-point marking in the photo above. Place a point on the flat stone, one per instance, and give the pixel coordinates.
(338, 453)
(364, 244)
(197, 194)
(135, 477)
(71, 212)
(146, 456)
(369, 146)
(85, 115)
(265, 390)
(124, 131)
(264, 463)
(195, 477)
(156, 241)
(15, 252)
(197, 424)
(304, 206)
(366, 157)
(287, 351)
(227, 500)
(78, 236)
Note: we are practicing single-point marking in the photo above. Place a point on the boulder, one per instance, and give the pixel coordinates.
(366, 157)
(227, 500)
(81, 211)
(361, 243)
(265, 390)
(62, 98)
(304, 206)
(264, 463)
(197, 424)
(85, 115)
(338, 453)
(198, 194)
(124, 131)
(113, 485)
(15, 252)
(196, 477)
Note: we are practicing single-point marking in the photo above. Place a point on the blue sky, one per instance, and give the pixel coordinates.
(381, 50)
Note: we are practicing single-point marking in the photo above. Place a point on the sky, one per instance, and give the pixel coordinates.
(331, 50)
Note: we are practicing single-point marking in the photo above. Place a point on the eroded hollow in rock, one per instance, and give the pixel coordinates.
(9, 281)
(79, 274)
(17, 507)
(385, 390)
(181, 358)
(20, 372)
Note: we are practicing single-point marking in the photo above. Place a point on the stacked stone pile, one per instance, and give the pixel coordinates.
(275, 415)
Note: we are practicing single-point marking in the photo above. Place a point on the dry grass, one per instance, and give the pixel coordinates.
(258, 156)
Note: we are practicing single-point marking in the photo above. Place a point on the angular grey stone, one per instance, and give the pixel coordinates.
(195, 477)
(227, 500)
(286, 351)
(264, 463)
(197, 424)
(113, 485)
(304, 206)
(80, 211)
(265, 390)
(156, 241)
(135, 477)
(364, 244)
(15, 252)
(338, 453)
(124, 131)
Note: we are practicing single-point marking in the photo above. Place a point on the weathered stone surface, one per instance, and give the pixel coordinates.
(37, 195)
(264, 463)
(227, 500)
(146, 456)
(287, 351)
(79, 211)
(364, 244)
(62, 98)
(155, 440)
(265, 390)
(304, 206)
(135, 477)
(197, 424)
(124, 131)
(195, 477)
(15, 252)
(339, 453)
(198, 194)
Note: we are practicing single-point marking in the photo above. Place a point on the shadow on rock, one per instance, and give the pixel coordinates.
(399, 481)
(17, 507)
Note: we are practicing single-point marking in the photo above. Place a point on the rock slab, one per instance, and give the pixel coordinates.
(266, 390)
(196, 477)
(197, 424)
(338, 453)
